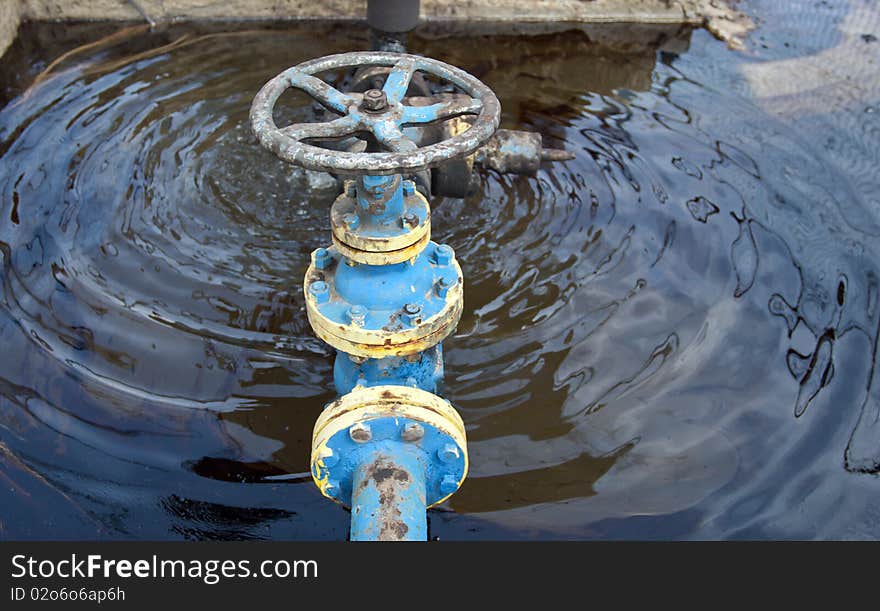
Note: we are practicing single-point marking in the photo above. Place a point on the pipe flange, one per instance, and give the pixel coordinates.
(378, 311)
(395, 418)
(363, 238)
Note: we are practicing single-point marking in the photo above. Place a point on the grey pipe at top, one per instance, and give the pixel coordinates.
(393, 15)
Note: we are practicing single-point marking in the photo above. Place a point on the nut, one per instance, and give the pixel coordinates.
(412, 431)
(448, 453)
(323, 259)
(443, 254)
(357, 314)
(374, 100)
(448, 485)
(320, 290)
(360, 432)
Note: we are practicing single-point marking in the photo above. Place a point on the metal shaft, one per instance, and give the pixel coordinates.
(393, 15)
(388, 497)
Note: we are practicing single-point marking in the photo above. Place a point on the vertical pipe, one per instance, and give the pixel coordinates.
(389, 22)
(393, 15)
(388, 497)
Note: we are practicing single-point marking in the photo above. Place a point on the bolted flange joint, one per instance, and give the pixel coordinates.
(380, 220)
(379, 311)
(393, 421)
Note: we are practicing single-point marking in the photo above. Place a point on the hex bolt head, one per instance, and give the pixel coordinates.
(410, 218)
(443, 254)
(412, 431)
(320, 290)
(357, 314)
(411, 382)
(411, 312)
(448, 453)
(351, 221)
(323, 259)
(328, 458)
(448, 485)
(350, 189)
(374, 100)
(409, 188)
(360, 432)
(444, 284)
(331, 488)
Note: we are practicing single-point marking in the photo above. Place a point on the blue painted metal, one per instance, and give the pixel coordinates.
(423, 370)
(388, 502)
(389, 297)
(383, 290)
(439, 457)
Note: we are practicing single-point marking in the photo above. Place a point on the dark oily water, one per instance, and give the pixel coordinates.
(672, 336)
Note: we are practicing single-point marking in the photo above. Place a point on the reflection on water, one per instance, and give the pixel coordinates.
(673, 335)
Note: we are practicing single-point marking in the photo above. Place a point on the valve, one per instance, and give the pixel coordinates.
(382, 293)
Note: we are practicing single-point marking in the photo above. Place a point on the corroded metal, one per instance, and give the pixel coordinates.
(517, 152)
(403, 155)
(388, 498)
(393, 339)
(384, 257)
(356, 231)
(390, 412)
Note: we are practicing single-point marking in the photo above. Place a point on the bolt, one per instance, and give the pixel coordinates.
(409, 188)
(351, 221)
(320, 290)
(410, 218)
(323, 259)
(357, 360)
(411, 312)
(374, 100)
(360, 432)
(443, 254)
(448, 485)
(444, 284)
(328, 458)
(411, 382)
(350, 189)
(412, 432)
(448, 453)
(331, 488)
(357, 315)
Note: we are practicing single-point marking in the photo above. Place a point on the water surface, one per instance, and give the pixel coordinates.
(672, 336)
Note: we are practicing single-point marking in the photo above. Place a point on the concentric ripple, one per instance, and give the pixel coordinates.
(673, 335)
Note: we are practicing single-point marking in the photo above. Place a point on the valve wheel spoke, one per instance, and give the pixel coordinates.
(441, 111)
(326, 94)
(398, 80)
(390, 136)
(349, 154)
(338, 128)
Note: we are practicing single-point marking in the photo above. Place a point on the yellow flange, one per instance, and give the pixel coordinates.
(360, 244)
(364, 404)
(393, 339)
(383, 258)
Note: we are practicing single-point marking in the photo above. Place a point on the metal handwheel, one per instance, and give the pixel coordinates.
(380, 112)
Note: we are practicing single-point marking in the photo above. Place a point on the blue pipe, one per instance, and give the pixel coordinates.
(388, 500)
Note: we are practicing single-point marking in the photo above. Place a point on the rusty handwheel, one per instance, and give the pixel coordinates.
(381, 113)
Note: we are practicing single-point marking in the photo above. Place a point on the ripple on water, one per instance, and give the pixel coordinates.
(681, 322)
